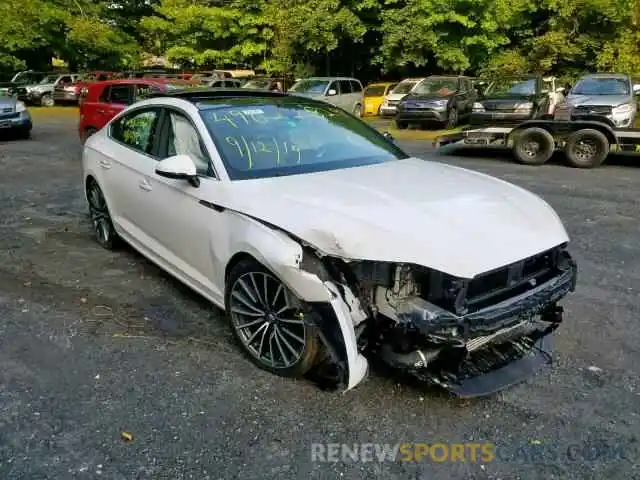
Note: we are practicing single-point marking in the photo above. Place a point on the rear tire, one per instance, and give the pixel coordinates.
(87, 133)
(587, 148)
(357, 111)
(533, 146)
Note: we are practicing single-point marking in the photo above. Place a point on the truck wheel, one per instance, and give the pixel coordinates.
(587, 148)
(401, 125)
(533, 146)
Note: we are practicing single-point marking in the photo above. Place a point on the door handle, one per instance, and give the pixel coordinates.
(145, 185)
(105, 164)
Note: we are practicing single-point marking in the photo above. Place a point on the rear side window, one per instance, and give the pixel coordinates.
(355, 86)
(120, 94)
(143, 90)
(345, 87)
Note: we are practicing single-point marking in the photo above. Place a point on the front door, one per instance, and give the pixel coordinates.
(173, 216)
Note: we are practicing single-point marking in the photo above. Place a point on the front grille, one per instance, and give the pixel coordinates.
(392, 103)
(8, 116)
(500, 285)
(7, 110)
(592, 110)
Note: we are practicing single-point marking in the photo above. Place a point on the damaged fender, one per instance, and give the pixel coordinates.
(333, 317)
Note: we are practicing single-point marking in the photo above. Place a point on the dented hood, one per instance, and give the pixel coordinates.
(412, 211)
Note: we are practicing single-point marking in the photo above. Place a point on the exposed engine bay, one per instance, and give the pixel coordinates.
(470, 336)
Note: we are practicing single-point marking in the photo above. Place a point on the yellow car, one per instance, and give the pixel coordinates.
(374, 95)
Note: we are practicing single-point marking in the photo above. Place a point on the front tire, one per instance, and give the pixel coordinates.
(100, 218)
(268, 323)
(47, 100)
(452, 120)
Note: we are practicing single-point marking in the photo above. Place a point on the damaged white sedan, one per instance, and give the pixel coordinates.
(327, 245)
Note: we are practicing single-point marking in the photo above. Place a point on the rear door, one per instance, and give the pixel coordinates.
(357, 92)
(125, 170)
(346, 95)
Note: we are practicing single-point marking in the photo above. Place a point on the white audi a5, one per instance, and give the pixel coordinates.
(329, 247)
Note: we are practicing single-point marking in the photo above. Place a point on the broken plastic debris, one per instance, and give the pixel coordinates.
(535, 441)
(595, 369)
(126, 436)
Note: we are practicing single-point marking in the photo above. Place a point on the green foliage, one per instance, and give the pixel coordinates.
(564, 37)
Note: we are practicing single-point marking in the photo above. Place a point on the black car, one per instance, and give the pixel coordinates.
(441, 99)
(510, 100)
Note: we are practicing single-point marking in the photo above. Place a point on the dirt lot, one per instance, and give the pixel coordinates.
(94, 343)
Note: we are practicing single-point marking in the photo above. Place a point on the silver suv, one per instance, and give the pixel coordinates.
(343, 92)
(611, 95)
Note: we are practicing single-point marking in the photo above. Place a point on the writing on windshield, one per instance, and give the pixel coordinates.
(289, 137)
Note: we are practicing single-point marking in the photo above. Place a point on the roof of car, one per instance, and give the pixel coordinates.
(606, 75)
(200, 94)
(331, 78)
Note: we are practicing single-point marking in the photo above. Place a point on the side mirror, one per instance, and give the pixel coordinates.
(179, 167)
(331, 93)
(389, 137)
(636, 89)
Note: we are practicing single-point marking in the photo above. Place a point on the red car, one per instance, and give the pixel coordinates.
(104, 100)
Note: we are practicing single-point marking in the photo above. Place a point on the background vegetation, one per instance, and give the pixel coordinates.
(367, 38)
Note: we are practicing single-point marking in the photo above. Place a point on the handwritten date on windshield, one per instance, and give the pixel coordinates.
(269, 151)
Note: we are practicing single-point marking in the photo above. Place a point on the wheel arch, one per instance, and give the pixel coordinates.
(284, 258)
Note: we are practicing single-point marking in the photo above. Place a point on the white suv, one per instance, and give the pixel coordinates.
(343, 92)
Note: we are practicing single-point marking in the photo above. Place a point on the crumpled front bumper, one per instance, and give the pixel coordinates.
(485, 351)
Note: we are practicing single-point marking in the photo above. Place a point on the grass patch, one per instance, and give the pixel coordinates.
(57, 111)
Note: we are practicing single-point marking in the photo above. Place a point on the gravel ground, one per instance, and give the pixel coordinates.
(95, 343)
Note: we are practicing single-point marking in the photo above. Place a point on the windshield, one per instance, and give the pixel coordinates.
(289, 136)
(436, 86)
(601, 86)
(512, 86)
(310, 86)
(28, 77)
(257, 84)
(403, 88)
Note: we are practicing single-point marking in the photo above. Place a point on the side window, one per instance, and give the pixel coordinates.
(183, 139)
(345, 87)
(334, 86)
(120, 94)
(142, 90)
(136, 130)
(64, 80)
(355, 86)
